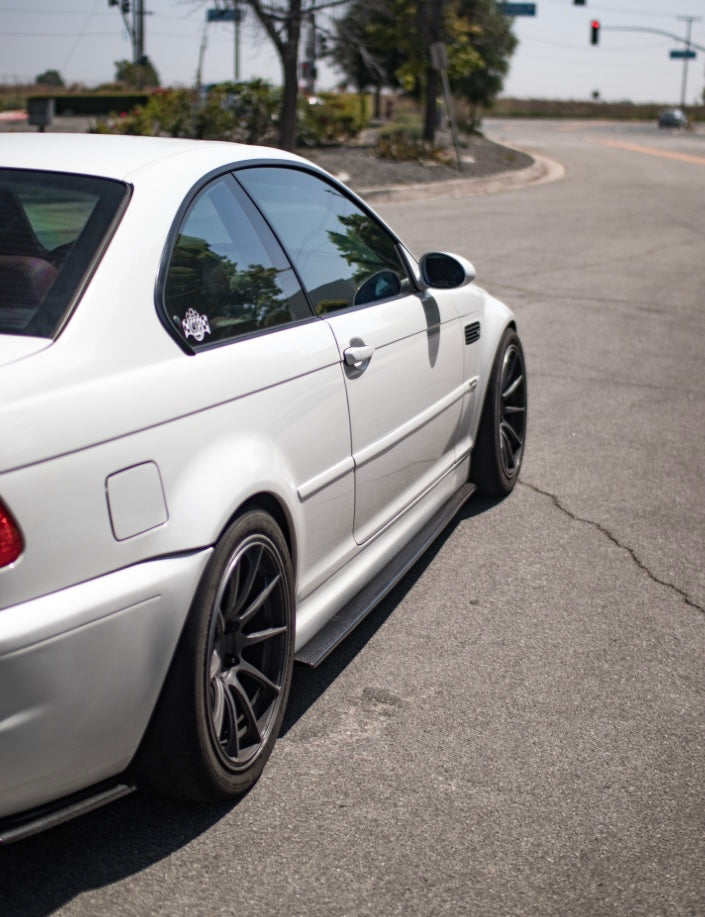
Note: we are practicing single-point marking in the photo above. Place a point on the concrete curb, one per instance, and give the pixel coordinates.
(541, 171)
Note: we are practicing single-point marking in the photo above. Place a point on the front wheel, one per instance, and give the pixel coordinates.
(498, 452)
(224, 699)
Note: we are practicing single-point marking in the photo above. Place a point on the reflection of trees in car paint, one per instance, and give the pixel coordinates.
(364, 246)
(334, 245)
(256, 294)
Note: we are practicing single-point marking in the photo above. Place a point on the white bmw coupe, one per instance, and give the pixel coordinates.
(235, 409)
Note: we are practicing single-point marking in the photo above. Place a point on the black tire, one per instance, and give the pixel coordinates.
(224, 698)
(499, 449)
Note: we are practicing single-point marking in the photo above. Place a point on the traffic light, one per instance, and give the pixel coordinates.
(578, 2)
(595, 32)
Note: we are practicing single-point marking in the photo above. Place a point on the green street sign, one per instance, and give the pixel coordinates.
(519, 9)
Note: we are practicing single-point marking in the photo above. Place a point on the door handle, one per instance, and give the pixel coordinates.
(357, 355)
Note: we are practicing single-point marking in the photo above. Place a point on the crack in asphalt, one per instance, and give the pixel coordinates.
(613, 538)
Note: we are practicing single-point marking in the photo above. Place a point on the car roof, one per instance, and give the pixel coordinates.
(122, 157)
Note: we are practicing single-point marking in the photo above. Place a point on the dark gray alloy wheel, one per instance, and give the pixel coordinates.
(498, 453)
(226, 693)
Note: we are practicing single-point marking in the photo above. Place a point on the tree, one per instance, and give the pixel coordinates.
(364, 61)
(392, 40)
(477, 35)
(50, 78)
(283, 20)
(493, 42)
(282, 23)
(136, 75)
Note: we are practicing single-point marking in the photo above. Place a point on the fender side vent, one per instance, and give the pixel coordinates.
(472, 333)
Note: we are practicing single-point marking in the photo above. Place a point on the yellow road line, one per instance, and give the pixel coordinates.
(581, 125)
(652, 151)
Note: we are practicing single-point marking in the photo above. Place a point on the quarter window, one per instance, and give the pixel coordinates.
(52, 227)
(227, 276)
(343, 256)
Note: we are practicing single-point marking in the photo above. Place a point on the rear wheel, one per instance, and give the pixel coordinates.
(224, 698)
(498, 452)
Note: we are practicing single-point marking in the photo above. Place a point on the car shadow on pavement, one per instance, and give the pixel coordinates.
(309, 684)
(44, 873)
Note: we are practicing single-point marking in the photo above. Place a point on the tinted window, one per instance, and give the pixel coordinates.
(227, 275)
(51, 227)
(343, 256)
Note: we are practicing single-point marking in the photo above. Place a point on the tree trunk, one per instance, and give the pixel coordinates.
(290, 66)
(283, 25)
(431, 112)
(287, 122)
(432, 13)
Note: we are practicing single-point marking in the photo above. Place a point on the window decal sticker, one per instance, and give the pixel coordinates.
(195, 325)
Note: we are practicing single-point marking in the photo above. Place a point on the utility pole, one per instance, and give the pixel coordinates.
(237, 19)
(689, 20)
(135, 29)
(138, 32)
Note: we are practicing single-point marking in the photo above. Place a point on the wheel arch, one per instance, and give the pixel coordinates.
(493, 338)
(277, 509)
(496, 319)
(216, 483)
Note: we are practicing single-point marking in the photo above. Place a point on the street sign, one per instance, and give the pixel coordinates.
(224, 15)
(519, 9)
(682, 54)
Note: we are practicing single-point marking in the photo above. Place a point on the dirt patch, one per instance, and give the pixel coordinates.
(358, 167)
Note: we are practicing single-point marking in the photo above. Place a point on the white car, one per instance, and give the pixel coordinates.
(235, 409)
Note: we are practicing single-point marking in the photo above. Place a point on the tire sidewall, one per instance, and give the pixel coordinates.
(510, 339)
(487, 468)
(224, 780)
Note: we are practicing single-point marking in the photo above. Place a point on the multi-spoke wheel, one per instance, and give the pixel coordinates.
(499, 449)
(224, 699)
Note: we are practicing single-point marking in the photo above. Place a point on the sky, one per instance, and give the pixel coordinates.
(83, 38)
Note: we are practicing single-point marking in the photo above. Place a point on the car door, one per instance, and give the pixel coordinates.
(267, 373)
(401, 350)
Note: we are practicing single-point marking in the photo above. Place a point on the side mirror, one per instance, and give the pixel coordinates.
(444, 271)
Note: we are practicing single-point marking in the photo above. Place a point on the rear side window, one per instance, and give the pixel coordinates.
(344, 257)
(227, 276)
(52, 228)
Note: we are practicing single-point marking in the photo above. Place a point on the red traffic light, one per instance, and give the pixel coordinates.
(594, 31)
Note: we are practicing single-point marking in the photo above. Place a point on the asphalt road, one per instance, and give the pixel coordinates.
(518, 729)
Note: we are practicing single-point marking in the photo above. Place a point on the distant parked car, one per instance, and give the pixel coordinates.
(235, 409)
(673, 117)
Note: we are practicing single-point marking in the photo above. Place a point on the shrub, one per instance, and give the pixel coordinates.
(330, 118)
(241, 112)
(167, 112)
(406, 145)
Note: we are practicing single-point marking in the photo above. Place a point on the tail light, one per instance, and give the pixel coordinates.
(11, 540)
